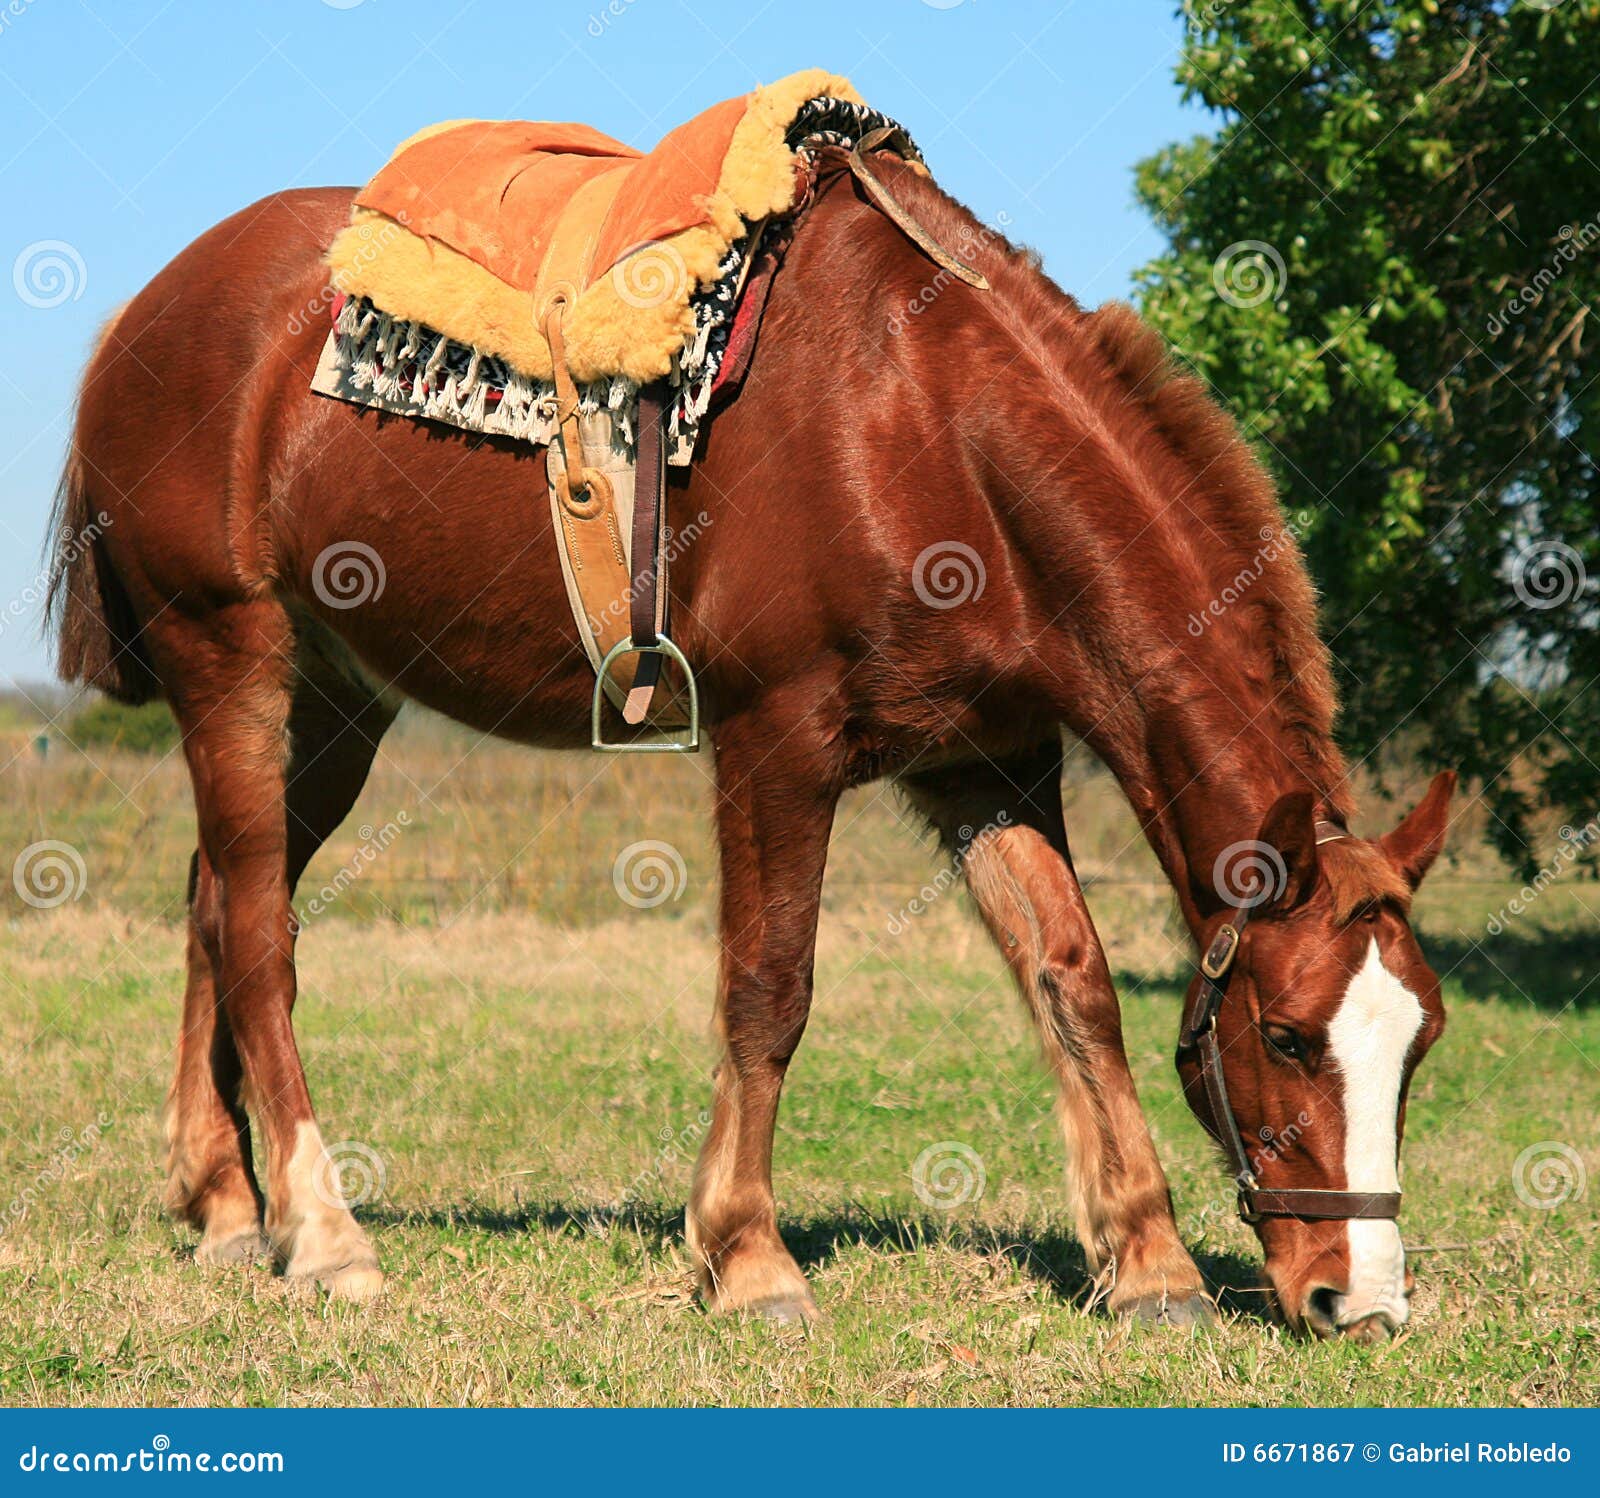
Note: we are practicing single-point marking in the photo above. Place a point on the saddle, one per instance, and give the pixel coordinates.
(548, 283)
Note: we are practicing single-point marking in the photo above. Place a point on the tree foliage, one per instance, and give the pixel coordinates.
(1386, 259)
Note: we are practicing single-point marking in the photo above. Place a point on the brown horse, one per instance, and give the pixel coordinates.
(941, 524)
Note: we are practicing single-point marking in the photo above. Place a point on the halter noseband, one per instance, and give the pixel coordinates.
(1200, 1034)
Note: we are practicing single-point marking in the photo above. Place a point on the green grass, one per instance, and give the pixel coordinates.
(531, 1077)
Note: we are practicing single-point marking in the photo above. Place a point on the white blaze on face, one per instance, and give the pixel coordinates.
(1370, 1036)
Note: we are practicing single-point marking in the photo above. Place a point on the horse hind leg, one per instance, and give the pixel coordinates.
(277, 753)
(211, 1179)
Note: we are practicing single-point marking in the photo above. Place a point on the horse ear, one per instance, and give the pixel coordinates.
(1290, 832)
(1417, 841)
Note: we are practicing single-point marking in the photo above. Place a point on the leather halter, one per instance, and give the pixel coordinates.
(1200, 1034)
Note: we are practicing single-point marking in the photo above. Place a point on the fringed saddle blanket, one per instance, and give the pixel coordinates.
(456, 247)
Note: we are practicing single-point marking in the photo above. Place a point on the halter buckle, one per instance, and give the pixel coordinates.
(1247, 1186)
(1219, 955)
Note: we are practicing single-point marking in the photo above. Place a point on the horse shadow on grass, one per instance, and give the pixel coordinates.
(1049, 1256)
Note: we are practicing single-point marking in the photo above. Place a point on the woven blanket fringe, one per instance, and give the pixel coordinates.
(409, 364)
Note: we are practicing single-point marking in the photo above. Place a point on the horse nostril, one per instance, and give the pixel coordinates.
(1322, 1310)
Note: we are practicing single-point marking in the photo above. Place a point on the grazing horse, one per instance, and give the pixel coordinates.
(940, 524)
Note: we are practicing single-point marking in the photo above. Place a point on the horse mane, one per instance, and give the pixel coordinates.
(1204, 439)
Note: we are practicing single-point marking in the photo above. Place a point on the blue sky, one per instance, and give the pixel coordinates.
(131, 128)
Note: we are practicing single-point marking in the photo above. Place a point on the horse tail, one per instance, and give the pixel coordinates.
(97, 636)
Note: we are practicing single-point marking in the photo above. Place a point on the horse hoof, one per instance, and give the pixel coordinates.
(1162, 1310)
(249, 1247)
(784, 1310)
(352, 1282)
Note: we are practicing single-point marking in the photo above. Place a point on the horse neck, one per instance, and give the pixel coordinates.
(1201, 778)
(1204, 717)
(1124, 541)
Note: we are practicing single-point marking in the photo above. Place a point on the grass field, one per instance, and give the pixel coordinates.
(524, 1091)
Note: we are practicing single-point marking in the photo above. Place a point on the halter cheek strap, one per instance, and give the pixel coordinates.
(1200, 1034)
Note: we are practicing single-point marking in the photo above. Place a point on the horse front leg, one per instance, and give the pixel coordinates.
(775, 803)
(1003, 820)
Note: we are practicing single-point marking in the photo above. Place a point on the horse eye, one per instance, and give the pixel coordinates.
(1285, 1042)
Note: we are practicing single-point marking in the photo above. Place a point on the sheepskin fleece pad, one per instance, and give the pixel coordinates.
(455, 231)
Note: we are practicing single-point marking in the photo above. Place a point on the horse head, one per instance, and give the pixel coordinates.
(1312, 1010)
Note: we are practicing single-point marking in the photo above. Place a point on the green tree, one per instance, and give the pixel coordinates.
(1386, 259)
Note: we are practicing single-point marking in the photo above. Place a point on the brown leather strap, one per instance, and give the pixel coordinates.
(647, 610)
(578, 483)
(1331, 1206)
(648, 598)
(891, 136)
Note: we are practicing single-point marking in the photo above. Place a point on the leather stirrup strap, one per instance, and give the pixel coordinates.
(892, 135)
(567, 408)
(648, 603)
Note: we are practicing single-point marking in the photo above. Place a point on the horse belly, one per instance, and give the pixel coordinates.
(431, 553)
